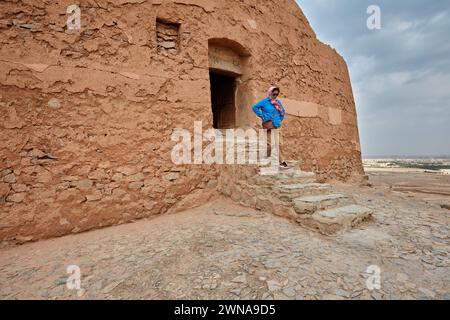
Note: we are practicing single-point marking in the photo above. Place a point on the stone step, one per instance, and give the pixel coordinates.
(294, 173)
(327, 213)
(301, 190)
(292, 163)
(331, 221)
(291, 191)
(268, 170)
(311, 204)
(295, 195)
(303, 186)
(282, 182)
(284, 177)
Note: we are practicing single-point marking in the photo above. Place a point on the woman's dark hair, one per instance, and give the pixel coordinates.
(276, 88)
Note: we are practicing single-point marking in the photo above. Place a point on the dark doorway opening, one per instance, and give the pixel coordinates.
(223, 103)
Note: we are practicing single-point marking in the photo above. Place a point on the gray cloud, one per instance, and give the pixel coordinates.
(400, 74)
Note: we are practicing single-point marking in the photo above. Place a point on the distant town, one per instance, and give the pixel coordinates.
(438, 165)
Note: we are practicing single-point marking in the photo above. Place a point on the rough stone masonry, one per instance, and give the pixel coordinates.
(86, 116)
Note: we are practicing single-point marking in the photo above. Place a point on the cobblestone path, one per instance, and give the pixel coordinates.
(224, 251)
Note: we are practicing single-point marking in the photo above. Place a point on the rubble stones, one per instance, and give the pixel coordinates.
(84, 184)
(16, 197)
(10, 178)
(19, 187)
(97, 195)
(172, 176)
(136, 185)
(4, 189)
(54, 104)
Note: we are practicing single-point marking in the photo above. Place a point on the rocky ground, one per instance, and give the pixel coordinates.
(224, 251)
(431, 187)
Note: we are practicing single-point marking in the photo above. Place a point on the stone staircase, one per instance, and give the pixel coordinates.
(296, 195)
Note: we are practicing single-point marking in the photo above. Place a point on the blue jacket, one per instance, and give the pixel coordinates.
(265, 110)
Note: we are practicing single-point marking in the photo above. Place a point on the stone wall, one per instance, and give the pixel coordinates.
(87, 116)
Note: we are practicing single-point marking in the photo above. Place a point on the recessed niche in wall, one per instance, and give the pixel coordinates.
(167, 37)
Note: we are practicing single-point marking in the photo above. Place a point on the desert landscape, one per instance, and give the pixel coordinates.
(226, 251)
(424, 178)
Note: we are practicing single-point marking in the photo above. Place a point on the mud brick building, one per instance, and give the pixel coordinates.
(86, 116)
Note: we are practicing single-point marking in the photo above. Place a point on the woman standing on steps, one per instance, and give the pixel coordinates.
(272, 113)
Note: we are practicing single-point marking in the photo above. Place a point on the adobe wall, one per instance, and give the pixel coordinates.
(87, 116)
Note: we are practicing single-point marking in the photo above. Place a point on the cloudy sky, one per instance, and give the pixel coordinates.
(400, 73)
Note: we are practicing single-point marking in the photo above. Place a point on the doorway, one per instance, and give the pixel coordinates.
(223, 100)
